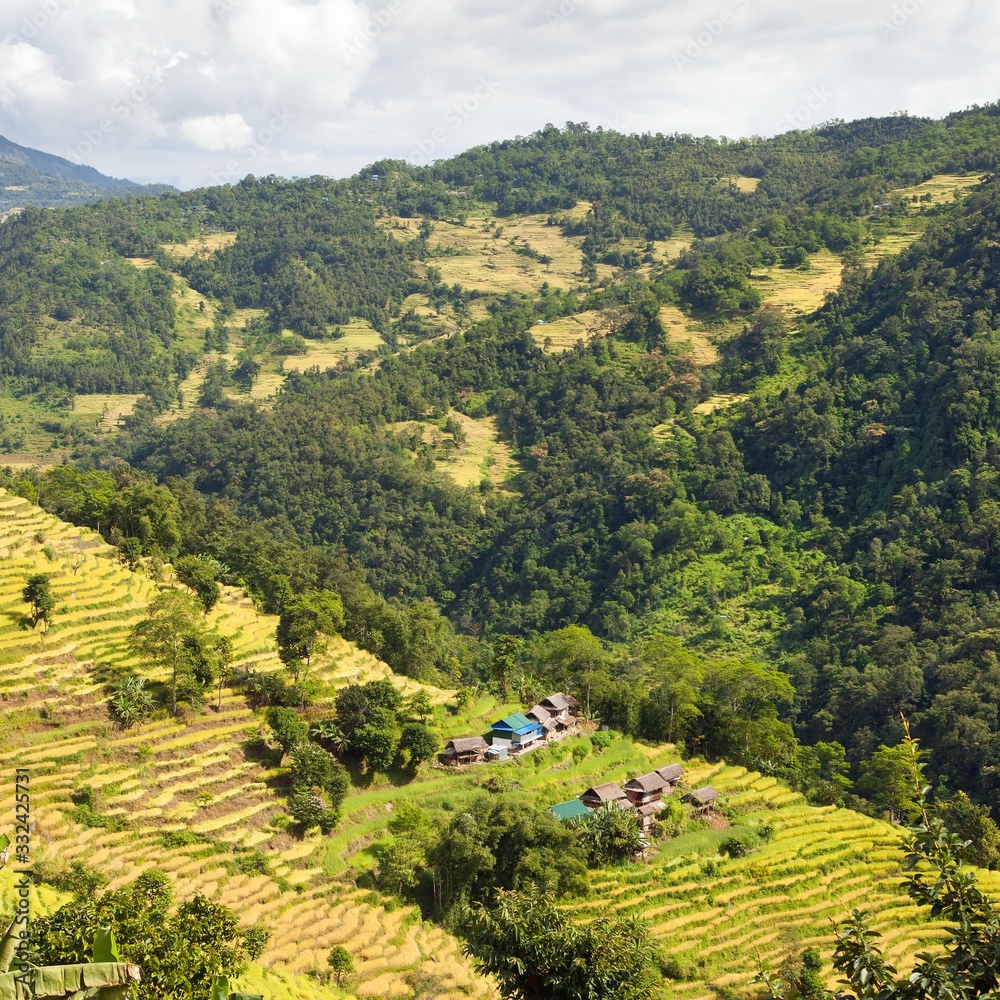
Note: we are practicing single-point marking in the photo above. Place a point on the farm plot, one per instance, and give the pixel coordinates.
(172, 774)
(197, 773)
(800, 292)
(359, 336)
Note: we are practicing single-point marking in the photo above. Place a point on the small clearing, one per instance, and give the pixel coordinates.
(562, 334)
(204, 245)
(141, 263)
(359, 336)
(110, 407)
(482, 455)
(801, 292)
(193, 313)
(667, 251)
(682, 330)
(721, 402)
(745, 185)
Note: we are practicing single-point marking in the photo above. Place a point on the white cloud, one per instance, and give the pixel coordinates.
(29, 80)
(357, 82)
(217, 132)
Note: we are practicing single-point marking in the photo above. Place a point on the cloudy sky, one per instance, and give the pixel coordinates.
(206, 91)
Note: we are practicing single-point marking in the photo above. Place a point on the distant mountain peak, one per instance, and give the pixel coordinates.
(31, 177)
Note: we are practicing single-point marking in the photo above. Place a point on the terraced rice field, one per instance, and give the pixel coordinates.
(690, 335)
(110, 408)
(712, 913)
(800, 292)
(483, 253)
(199, 773)
(562, 334)
(358, 336)
(190, 773)
(941, 189)
(482, 455)
(203, 245)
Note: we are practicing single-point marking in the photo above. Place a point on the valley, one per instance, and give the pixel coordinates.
(701, 433)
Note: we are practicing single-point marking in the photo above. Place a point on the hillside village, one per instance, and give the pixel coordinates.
(193, 775)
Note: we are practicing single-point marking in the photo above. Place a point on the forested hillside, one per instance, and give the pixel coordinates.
(30, 177)
(704, 430)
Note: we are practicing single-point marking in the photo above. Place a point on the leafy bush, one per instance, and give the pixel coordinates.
(740, 844)
(130, 703)
(255, 940)
(250, 864)
(79, 878)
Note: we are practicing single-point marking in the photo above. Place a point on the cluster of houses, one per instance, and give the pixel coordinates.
(550, 719)
(645, 796)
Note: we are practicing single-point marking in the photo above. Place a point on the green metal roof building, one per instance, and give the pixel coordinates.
(566, 811)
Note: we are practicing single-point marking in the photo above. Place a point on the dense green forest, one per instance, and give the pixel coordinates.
(773, 580)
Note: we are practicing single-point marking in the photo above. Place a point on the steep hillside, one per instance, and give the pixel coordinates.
(193, 774)
(202, 774)
(31, 177)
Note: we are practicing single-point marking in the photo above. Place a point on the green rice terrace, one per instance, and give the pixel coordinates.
(198, 774)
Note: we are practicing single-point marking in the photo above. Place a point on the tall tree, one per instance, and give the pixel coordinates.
(173, 618)
(676, 675)
(38, 593)
(304, 620)
(535, 950)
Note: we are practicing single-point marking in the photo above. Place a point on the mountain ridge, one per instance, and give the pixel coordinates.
(33, 177)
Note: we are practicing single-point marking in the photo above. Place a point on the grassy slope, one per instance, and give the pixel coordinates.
(195, 774)
(174, 774)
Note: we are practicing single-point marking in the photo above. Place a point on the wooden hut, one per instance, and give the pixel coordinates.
(601, 795)
(561, 708)
(704, 799)
(648, 788)
(672, 773)
(470, 750)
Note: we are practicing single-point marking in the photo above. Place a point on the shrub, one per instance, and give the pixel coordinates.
(173, 839)
(255, 941)
(309, 810)
(740, 844)
(251, 864)
(602, 740)
(79, 878)
(671, 968)
(130, 703)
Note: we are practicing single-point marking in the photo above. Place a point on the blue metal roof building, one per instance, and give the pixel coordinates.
(517, 729)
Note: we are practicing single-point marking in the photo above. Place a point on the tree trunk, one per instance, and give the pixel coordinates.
(173, 682)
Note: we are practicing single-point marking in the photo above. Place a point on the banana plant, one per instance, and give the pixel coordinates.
(109, 979)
